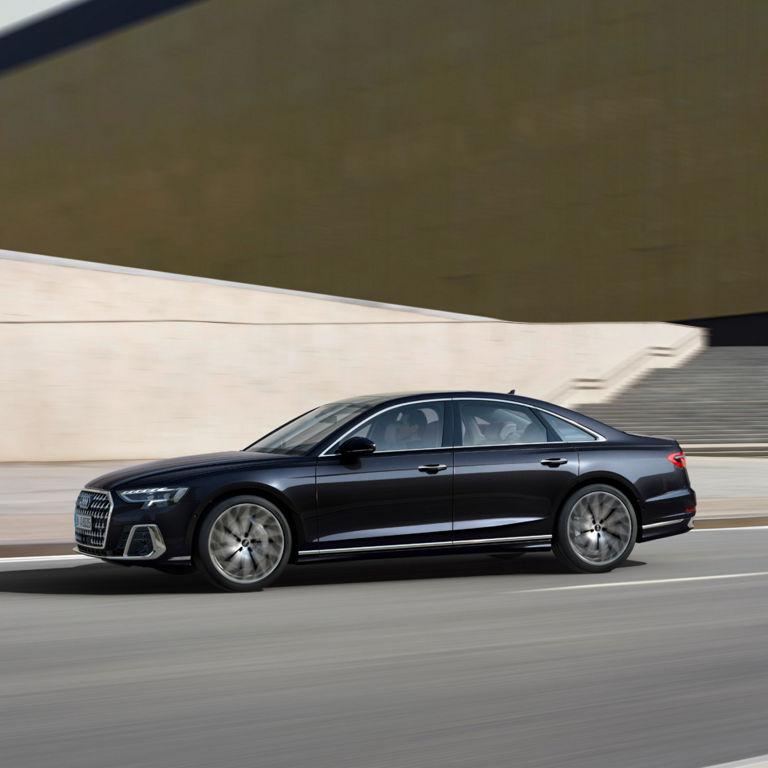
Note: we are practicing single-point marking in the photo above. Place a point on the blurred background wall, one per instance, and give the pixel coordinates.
(536, 161)
(99, 362)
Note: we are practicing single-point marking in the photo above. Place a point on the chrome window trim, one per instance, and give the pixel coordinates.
(109, 514)
(423, 545)
(598, 437)
(359, 424)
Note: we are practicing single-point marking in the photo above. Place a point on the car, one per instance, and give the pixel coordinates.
(387, 475)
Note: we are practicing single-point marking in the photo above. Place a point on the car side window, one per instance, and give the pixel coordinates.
(496, 423)
(566, 431)
(408, 427)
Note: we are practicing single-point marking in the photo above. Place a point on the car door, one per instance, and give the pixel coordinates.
(511, 472)
(399, 496)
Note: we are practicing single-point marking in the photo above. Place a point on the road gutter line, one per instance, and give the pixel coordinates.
(643, 582)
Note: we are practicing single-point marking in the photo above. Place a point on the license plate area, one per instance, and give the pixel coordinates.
(84, 522)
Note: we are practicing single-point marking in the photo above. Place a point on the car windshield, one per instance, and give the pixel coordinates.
(300, 436)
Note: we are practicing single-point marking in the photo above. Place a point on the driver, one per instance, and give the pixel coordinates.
(411, 428)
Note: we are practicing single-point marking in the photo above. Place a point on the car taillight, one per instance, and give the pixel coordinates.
(678, 459)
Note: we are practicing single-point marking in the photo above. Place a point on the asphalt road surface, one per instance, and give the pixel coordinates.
(474, 661)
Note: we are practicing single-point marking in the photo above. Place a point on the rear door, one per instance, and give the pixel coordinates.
(511, 472)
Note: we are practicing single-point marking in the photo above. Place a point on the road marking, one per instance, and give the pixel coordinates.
(644, 581)
(752, 762)
(43, 559)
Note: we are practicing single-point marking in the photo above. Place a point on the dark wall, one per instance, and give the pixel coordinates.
(749, 330)
(535, 161)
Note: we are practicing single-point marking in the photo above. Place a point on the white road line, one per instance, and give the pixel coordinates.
(44, 559)
(645, 581)
(752, 762)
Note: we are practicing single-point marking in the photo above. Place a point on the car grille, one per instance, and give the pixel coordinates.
(98, 506)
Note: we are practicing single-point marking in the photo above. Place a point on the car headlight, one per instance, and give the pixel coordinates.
(153, 497)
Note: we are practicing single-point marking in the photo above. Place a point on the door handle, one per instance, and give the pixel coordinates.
(554, 462)
(432, 469)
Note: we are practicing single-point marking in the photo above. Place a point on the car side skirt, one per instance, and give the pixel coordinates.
(525, 541)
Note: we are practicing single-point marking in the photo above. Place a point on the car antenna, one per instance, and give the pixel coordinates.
(511, 392)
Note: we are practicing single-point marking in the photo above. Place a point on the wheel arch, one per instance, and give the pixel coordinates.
(250, 489)
(604, 478)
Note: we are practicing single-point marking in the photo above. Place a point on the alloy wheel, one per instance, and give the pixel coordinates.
(600, 528)
(246, 543)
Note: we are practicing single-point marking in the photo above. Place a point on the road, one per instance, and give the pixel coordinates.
(474, 661)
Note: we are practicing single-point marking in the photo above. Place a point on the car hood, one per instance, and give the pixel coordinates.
(182, 463)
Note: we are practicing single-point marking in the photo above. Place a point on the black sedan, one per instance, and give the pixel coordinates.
(392, 474)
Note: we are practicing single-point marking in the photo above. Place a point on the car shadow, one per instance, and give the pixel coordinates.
(105, 579)
(416, 568)
(100, 579)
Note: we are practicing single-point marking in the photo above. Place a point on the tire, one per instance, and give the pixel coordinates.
(596, 529)
(243, 544)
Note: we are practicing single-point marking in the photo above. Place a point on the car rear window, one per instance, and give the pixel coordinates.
(567, 431)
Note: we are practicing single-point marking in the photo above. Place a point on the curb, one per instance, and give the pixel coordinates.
(723, 522)
(35, 549)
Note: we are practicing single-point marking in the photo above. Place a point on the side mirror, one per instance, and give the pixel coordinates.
(356, 447)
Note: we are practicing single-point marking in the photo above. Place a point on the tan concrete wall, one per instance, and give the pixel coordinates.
(99, 364)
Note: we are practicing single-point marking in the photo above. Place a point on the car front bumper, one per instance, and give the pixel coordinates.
(128, 533)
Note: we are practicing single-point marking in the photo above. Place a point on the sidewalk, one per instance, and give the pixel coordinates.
(37, 500)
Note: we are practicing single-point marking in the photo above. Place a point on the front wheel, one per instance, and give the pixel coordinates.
(596, 530)
(243, 543)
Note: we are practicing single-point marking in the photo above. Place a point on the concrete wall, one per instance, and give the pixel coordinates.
(98, 362)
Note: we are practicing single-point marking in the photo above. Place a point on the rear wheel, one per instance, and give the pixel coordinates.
(243, 543)
(596, 530)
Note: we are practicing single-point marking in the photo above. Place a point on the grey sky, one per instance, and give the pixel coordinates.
(16, 13)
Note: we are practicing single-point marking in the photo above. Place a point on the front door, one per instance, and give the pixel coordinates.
(398, 497)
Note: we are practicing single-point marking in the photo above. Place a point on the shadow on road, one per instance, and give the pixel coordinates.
(104, 579)
(402, 569)
(100, 579)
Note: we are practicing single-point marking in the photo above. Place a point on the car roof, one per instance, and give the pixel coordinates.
(393, 398)
(387, 397)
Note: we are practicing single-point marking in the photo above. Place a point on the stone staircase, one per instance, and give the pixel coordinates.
(716, 403)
